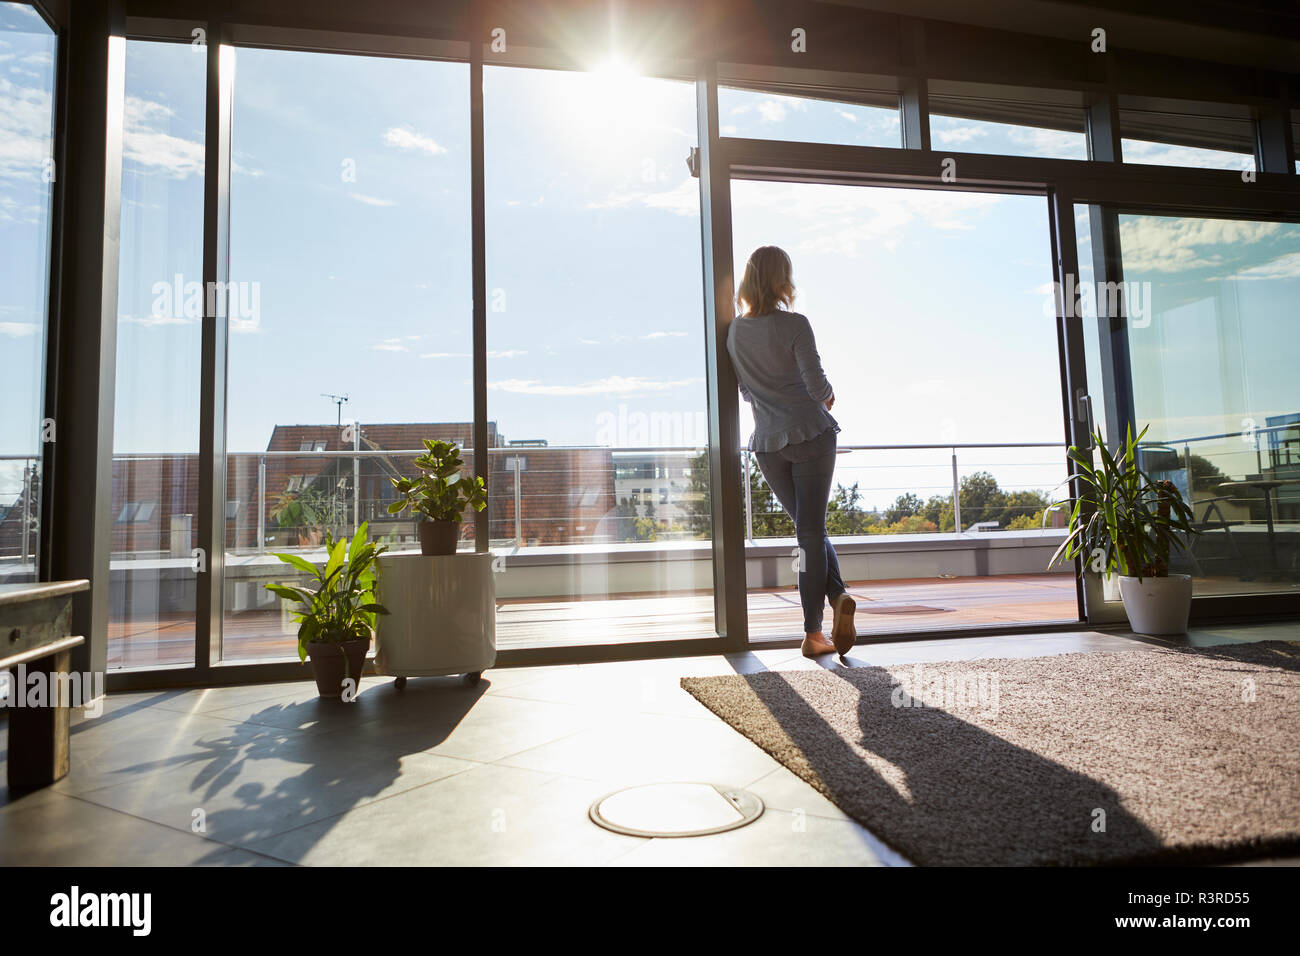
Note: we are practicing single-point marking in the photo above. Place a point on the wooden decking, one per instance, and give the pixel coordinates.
(883, 606)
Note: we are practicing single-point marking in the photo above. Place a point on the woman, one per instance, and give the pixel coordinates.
(780, 374)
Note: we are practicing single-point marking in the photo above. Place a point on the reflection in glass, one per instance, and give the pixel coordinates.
(1214, 358)
(350, 341)
(27, 51)
(756, 114)
(599, 484)
(159, 322)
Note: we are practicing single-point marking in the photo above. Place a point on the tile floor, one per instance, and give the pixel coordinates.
(438, 773)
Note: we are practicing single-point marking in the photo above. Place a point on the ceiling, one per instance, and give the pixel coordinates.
(1262, 33)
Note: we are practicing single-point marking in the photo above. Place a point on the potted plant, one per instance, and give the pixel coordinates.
(441, 494)
(306, 512)
(336, 613)
(1127, 524)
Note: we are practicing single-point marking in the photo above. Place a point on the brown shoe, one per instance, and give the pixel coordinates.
(815, 645)
(843, 633)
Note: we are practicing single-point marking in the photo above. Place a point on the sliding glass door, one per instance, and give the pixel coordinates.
(1208, 365)
(936, 324)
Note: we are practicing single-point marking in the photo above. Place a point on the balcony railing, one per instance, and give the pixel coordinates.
(573, 495)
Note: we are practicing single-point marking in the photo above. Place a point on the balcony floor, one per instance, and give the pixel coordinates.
(884, 607)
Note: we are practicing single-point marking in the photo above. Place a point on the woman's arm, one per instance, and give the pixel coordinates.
(810, 363)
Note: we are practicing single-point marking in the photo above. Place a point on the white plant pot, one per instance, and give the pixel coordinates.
(1157, 605)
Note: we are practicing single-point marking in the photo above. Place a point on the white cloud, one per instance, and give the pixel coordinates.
(613, 385)
(957, 135)
(372, 200)
(18, 330)
(25, 141)
(835, 221)
(682, 200)
(154, 321)
(1163, 244)
(1283, 267)
(664, 335)
(159, 151)
(403, 137)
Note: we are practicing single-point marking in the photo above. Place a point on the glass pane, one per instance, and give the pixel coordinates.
(1034, 124)
(913, 364)
(599, 480)
(350, 252)
(1167, 132)
(755, 114)
(1214, 359)
(159, 321)
(27, 50)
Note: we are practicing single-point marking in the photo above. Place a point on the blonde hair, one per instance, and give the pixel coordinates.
(767, 282)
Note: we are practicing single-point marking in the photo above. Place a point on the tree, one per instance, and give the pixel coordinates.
(698, 498)
(904, 506)
(935, 508)
(845, 516)
(625, 519)
(981, 499)
(1022, 504)
(769, 518)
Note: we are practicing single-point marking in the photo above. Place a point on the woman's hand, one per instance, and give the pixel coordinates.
(829, 402)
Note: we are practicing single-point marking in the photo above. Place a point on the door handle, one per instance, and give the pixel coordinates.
(1084, 414)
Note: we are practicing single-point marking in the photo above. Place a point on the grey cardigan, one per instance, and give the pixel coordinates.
(780, 374)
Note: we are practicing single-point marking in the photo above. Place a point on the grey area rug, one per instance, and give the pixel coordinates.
(1143, 756)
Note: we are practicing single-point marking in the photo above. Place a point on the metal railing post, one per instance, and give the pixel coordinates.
(749, 509)
(956, 496)
(261, 504)
(26, 511)
(519, 526)
(356, 478)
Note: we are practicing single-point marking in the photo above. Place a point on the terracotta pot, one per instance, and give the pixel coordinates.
(331, 664)
(439, 537)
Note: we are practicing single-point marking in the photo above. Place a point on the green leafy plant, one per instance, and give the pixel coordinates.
(1125, 522)
(307, 508)
(339, 604)
(440, 492)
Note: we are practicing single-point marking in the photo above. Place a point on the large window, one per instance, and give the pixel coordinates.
(1214, 353)
(598, 487)
(351, 338)
(159, 323)
(27, 48)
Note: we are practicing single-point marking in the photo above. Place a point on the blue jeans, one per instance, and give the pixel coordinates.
(800, 476)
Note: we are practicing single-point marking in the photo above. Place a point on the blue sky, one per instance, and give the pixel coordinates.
(26, 91)
(350, 214)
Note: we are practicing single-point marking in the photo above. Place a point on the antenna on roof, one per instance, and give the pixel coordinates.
(337, 400)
